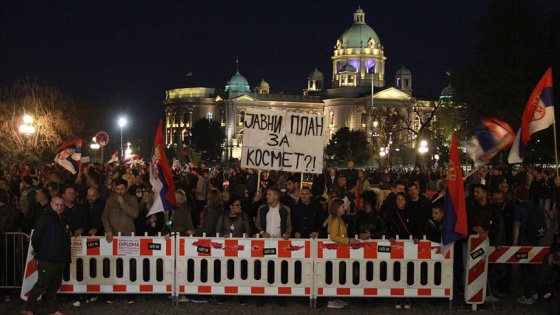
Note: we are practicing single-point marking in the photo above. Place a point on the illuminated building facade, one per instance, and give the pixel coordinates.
(358, 98)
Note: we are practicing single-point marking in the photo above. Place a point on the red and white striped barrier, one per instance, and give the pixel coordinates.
(384, 269)
(477, 269)
(127, 265)
(517, 254)
(244, 266)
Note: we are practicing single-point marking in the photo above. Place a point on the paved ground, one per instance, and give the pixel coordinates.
(162, 305)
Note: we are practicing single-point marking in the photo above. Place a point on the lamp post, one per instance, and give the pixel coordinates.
(122, 123)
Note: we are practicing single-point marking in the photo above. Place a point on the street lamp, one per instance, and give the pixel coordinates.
(128, 151)
(27, 128)
(122, 123)
(94, 146)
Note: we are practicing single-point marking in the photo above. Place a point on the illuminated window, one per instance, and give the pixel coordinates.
(209, 116)
(363, 120)
(241, 118)
(332, 119)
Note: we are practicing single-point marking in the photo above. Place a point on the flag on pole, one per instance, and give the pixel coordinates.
(69, 155)
(490, 136)
(161, 177)
(454, 206)
(114, 158)
(538, 115)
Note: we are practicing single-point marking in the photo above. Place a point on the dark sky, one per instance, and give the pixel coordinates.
(124, 55)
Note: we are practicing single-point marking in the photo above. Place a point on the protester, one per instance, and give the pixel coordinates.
(51, 244)
(234, 222)
(523, 237)
(306, 216)
(370, 223)
(212, 211)
(338, 233)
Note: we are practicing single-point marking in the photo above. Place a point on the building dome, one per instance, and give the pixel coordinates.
(447, 93)
(264, 85)
(237, 83)
(316, 74)
(403, 71)
(359, 34)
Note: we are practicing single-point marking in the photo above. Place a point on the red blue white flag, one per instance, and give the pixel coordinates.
(538, 115)
(69, 155)
(161, 177)
(114, 158)
(454, 206)
(490, 136)
(132, 159)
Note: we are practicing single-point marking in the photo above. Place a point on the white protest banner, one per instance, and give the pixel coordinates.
(279, 140)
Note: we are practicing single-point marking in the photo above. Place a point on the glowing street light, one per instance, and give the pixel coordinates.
(128, 151)
(423, 147)
(122, 123)
(27, 128)
(94, 146)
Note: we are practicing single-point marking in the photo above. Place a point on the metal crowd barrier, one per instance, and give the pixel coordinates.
(13, 252)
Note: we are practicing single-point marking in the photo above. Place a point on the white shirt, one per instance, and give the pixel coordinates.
(273, 221)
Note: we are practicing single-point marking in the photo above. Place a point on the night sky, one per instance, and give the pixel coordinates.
(124, 55)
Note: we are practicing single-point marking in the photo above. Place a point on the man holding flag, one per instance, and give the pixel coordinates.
(538, 115)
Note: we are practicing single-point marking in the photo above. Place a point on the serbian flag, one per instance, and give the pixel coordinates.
(161, 178)
(538, 115)
(132, 159)
(114, 158)
(489, 138)
(454, 206)
(69, 155)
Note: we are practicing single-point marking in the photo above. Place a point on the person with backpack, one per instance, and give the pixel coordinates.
(529, 226)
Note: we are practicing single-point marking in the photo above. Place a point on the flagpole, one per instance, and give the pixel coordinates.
(464, 180)
(555, 146)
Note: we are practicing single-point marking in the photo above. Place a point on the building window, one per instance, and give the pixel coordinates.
(332, 119)
(398, 82)
(209, 116)
(241, 118)
(363, 120)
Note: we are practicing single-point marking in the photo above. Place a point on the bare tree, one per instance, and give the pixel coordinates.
(55, 118)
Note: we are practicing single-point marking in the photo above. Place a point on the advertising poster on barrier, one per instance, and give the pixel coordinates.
(280, 140)
(128, 246)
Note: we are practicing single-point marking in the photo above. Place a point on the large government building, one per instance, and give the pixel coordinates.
(359, 98)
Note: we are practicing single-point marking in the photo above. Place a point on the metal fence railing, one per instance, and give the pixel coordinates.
(13, 253)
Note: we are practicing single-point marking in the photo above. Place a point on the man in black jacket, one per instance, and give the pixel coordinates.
(51, 243)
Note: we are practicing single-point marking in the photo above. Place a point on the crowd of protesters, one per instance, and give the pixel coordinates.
(348, 204)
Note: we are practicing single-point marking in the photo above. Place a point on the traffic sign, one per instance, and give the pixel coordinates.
(102, 138)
